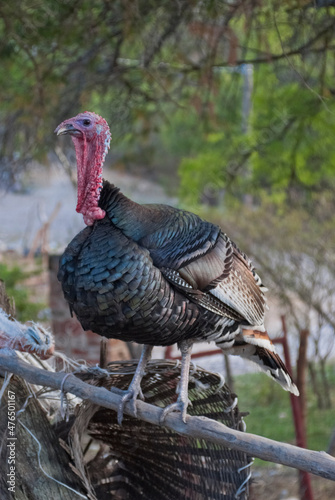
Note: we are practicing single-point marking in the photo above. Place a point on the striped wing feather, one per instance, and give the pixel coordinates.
(224, 281)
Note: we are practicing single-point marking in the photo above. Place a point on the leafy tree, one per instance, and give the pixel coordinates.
(14, 277)
(140, 62)
(287, 152)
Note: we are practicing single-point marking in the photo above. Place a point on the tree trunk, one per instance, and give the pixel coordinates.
(5, 303)
(325, 383)
(301, 369)
(315, 385)
(331, 446)
(229, 375)
(306, 492)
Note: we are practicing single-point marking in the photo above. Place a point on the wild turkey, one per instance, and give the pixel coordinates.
(158, 275)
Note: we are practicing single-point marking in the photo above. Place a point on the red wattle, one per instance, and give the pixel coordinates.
(91, 150)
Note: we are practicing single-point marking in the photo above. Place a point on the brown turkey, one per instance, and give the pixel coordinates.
(157, 275)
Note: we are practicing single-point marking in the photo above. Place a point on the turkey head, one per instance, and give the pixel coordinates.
(91, 137)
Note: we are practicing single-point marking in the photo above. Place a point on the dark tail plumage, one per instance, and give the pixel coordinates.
(257, 347)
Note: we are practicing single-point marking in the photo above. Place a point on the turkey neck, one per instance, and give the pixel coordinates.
(89, 179)
(134, 220)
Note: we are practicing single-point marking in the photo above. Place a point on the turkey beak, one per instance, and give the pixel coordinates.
(67, 128)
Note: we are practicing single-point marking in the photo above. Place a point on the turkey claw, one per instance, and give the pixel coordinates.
(179, 406)
(130, 396)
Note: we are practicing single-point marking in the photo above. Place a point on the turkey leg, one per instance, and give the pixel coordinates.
(134, 390)
(182, 402)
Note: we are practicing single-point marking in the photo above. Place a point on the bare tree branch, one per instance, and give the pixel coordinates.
(306, 47)
(319, 463)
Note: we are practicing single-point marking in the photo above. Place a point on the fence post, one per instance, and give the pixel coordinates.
(306, 492)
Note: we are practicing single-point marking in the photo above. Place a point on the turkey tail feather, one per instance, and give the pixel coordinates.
(271, 363)
(262, 353)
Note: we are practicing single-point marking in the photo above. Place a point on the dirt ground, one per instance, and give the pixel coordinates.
(282, 483)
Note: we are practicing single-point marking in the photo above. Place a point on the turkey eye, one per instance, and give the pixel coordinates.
(87, 122)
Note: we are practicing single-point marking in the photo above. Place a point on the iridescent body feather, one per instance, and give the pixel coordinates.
(157, 275)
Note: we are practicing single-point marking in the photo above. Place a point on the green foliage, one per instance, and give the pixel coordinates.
(183, 133)
(287, 153)
(291, 130)
(26, 310)
(268, 406)
(170, 74)
(270, 413)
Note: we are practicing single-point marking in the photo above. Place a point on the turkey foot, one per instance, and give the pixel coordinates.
(182, 402)
(134, 390)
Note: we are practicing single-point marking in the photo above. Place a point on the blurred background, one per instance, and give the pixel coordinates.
(225, 108)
